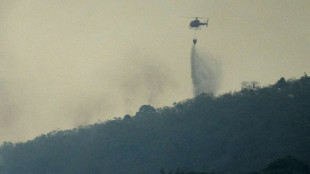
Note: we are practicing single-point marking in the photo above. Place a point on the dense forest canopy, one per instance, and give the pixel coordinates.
(233, 133)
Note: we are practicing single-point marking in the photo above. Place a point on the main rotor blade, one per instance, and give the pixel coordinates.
(193, 17)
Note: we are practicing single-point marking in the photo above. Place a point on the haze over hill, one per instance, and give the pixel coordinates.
(74, 62)
(232, 133)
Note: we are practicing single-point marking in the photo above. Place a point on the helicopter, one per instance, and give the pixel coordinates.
(195, 24)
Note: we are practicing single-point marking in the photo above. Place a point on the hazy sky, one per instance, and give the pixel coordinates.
(65, 63)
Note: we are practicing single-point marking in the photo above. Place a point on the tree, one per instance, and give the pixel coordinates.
(281, 83)
(147, 109)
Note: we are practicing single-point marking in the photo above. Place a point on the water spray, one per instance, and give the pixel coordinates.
(205, 72)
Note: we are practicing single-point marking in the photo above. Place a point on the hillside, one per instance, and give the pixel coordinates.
(232, 133)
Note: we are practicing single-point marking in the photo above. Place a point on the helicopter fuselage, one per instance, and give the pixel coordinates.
(196, 24)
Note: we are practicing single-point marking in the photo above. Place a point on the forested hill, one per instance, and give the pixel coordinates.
(233, 133)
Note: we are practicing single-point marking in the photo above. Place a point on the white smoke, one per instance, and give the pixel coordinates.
(206, 73)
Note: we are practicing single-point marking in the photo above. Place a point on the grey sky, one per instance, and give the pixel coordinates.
(72, 62)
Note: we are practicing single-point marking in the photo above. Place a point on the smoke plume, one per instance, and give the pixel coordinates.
(205, 73)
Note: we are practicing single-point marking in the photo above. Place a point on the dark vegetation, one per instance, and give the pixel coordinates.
(233, 133)
(287, 165)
